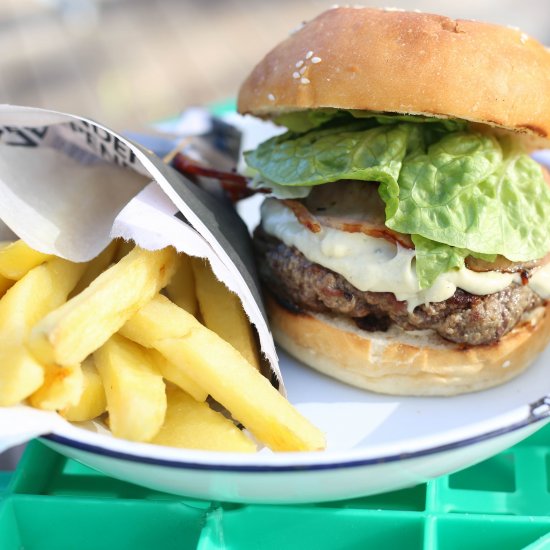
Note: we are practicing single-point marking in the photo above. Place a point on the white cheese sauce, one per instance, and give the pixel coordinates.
(377, 265)
(540, 282)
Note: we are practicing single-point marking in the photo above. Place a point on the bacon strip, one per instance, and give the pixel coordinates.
(504, 265)
(234, 185)
(186, 164)
(303, 215)
(315, 223)
(367, 228)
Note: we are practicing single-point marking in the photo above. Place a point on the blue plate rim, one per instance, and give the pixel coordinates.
(257, 468)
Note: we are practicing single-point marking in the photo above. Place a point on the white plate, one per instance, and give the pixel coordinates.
(376, 443)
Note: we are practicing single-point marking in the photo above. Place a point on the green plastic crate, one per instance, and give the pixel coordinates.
(52, 503)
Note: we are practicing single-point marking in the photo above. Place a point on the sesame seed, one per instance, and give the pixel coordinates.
(305, 80)
(523, 38)
(271, 97)
(316, 59)
(303, 70)
(309, 54)
(295, 74)
(299, 63)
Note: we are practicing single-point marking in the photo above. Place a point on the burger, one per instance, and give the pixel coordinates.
(404, 245)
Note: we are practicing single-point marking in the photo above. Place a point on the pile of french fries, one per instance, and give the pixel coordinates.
(146, 340)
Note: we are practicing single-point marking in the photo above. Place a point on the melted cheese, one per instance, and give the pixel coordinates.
(376, 265)
(540, 281)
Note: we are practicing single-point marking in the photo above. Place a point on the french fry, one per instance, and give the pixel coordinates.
(135, 391)
(62, 388)
(20, 373)
(83, 324)
(190, 424)
(222, 371)
(40, 291)
(43, 289)
(174, 374)
(181, 289)
(67, 356)
(18, 258)
(96, 267)
(92, 402)
(223, 313)
(5, 283)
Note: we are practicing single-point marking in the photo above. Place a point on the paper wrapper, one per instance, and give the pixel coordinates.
(69, 185)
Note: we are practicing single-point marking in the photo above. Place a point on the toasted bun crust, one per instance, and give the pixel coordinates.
(404, 62)
(399, 362)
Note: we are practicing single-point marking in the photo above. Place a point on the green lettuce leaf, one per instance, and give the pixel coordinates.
(302, 121)
(456, 192)
(280, 191)
(360, 150)
(470, 191)
(449, 124)
(433, 259)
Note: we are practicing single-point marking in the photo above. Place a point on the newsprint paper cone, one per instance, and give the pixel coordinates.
(69, 185)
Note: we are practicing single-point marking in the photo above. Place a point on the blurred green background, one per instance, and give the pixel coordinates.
(127, 62)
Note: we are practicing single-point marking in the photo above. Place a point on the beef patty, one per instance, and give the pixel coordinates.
(464, 318)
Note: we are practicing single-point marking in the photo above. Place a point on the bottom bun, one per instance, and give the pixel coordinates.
(403, 362)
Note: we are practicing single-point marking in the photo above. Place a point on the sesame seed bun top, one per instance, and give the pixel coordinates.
(406, 62)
